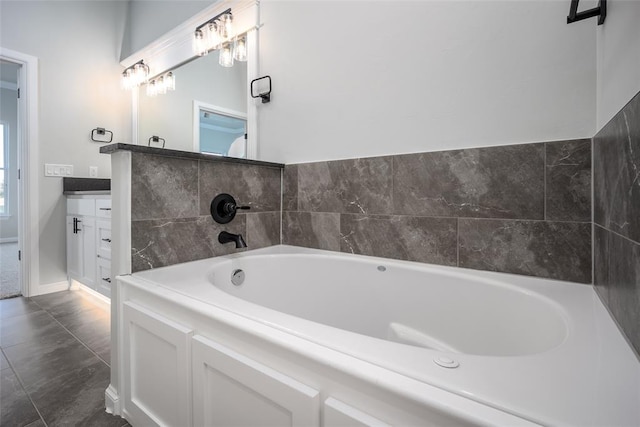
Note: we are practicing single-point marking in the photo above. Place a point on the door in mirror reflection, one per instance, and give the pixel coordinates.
(222, 133)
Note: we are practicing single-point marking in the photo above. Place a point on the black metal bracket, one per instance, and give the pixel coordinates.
(155, 138)
(266, 96)
(199, 27)
(102, 132)
(600, 11)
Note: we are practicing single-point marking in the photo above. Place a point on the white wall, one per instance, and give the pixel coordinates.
(149, 19)
(618, 43)
(356, 79)
(78, 46)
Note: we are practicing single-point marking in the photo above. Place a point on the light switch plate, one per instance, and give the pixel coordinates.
(93, 171)
(58, 170)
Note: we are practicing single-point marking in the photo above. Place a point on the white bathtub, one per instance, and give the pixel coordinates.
(542, 350)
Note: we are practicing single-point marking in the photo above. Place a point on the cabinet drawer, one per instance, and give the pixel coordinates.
(103, 279)
(103, 208)
(81, 207)
(103, 228)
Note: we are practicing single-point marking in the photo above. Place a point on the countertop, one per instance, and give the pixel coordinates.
(119, 146)
(85, 186)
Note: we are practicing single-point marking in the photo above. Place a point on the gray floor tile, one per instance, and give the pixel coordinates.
(33, 326)
(15, 407)
(4, 364)
(16, 307)
(38, 423)
(35, 363)
(64, 303)
(76, 398)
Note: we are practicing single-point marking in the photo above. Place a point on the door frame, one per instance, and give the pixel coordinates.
(28, 140)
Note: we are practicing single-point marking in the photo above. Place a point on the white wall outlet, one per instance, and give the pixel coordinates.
(58, 170)
(93, 171)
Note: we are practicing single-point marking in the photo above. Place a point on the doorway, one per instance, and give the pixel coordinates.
(10, 277)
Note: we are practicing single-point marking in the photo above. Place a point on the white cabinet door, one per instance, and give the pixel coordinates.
(74, 249)
(339, 414)
(87, 230)
(230, 389)
(157, 369)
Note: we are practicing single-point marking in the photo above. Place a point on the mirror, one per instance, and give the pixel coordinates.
(207, 112)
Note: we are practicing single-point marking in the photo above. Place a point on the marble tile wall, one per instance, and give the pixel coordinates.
(170, 202)
(616, 169)
(522, 209)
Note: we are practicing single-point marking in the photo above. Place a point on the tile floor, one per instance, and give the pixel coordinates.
(54, 354)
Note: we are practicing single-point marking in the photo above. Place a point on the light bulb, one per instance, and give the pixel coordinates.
(151, 88)
(127, 78)
(170, 81)
(199, 43)
(213, 34)
(240, 49)
(140, 73)
(161, 86)
(226, 55)
(226, 27)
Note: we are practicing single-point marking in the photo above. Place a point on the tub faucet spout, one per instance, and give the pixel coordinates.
(225, 237)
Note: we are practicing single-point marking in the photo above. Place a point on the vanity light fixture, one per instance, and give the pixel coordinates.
(135, 75)
(213, 33)
(160, 85)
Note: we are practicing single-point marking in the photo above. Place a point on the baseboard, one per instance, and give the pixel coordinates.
(112, 401)
(9, 240)
(93, 293)
(49, 288)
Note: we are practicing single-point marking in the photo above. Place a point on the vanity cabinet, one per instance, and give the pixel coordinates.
(88, 233)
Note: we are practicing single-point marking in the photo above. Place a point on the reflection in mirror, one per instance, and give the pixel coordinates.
(220, 131)
(200, 82)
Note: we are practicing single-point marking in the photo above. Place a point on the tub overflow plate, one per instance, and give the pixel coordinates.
(237, 277)
(446, 362)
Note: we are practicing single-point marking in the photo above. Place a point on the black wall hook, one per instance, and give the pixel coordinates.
(600, 11)
(266, 96)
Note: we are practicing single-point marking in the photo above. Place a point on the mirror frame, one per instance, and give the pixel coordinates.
(174, 49)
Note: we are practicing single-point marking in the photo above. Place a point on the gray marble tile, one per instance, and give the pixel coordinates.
(311, 230)
(37, 423)
(163, 187)
(556, 250)
(601, 262)
(568, 180)
(16, 307)
(75, 397)
(495, 182)
(290, 188)
(35, 362)
(346, 186)
(64, 303)
(618, 281)
(255, 186)
(423, 239)
(4, 364)
(35, 326)
(91, 327)
(159, 243)
(15, 407)
(616, 169)
(263, 229)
